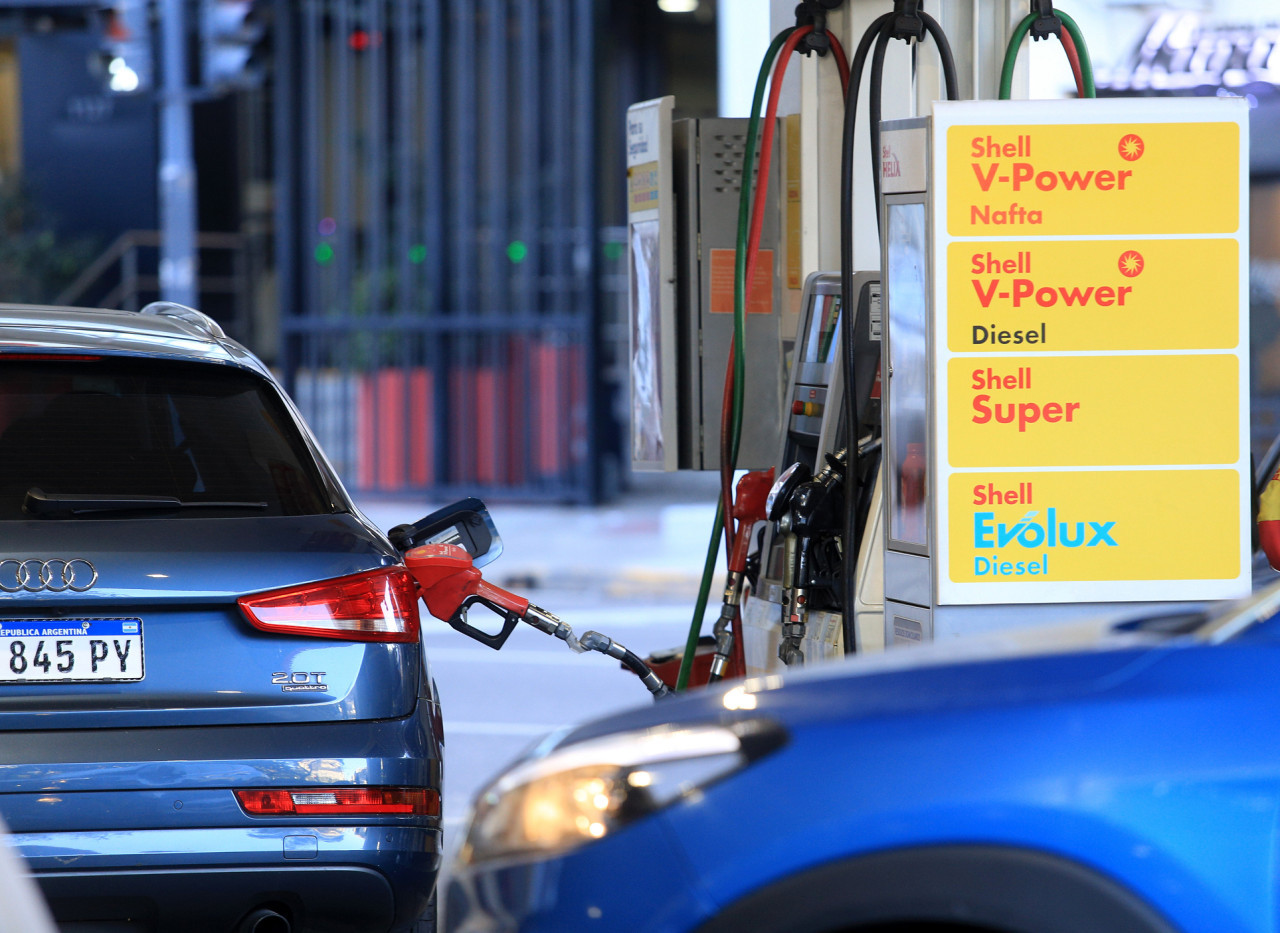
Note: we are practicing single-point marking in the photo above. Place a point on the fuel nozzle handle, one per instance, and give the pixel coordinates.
(815, 508)
(748, 508)
(450, 584)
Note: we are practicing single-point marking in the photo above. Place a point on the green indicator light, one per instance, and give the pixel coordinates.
(417, 254)
(614, 250)
(517, 251)
(324, 254)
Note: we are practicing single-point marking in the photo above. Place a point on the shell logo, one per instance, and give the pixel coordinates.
(1131, 263)
(1131, 147)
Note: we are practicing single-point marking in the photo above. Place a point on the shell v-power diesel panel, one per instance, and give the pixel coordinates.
(987, 372)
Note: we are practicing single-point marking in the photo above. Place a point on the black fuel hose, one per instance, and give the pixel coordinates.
(879, 32)
(594, 641)
(852, 532)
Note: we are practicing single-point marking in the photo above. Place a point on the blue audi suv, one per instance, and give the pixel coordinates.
(215, 709)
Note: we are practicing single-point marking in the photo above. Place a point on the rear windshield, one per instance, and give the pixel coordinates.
(120, 427)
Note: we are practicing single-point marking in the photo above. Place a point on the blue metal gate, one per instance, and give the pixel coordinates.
(438, 249)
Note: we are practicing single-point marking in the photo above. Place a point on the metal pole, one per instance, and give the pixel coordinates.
(177, 176)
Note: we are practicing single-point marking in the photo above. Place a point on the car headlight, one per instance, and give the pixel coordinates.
(582, 792)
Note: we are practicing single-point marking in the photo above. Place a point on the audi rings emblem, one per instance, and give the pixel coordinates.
(54, 576)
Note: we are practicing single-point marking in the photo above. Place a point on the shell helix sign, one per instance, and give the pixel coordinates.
(1090, 350)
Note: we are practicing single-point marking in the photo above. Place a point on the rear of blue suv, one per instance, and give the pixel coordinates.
(215, 713)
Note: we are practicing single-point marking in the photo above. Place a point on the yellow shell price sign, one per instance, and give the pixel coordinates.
(1094, 526)
(1090, 351)
(1087, 410)
(1088, 179)
(1092, 295)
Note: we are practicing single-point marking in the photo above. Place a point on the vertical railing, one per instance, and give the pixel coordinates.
(440, 304)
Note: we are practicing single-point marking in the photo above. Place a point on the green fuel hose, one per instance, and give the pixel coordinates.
(739, 337)
(1015, 44)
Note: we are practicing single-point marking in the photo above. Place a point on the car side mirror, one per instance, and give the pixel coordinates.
(466, 523)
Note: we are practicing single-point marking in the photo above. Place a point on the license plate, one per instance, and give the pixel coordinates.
(70, 650)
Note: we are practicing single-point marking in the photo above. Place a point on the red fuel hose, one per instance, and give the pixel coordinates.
(1073, 56)
(728, 459)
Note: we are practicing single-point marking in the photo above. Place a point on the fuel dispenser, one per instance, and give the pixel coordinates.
(800, 546)
(1062, 378)
(1065, 391)
(684, 184)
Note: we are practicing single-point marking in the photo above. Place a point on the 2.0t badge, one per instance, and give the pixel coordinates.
(55, 576)
(301, 681)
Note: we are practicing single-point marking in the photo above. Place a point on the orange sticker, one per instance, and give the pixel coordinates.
(760, 294)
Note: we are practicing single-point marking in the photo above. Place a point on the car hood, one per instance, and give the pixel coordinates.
(1028, 666)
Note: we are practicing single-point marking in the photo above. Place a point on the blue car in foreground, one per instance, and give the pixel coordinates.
(215, 711)
(1089, 779)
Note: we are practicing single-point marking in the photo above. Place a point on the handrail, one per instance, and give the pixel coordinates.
(128, 243)
(109, 257)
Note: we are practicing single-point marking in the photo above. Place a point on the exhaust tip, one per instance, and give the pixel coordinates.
(265, 920)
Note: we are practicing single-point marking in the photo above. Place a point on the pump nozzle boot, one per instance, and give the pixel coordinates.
(790, 653)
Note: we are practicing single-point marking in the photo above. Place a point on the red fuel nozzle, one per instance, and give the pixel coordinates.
(447, 579)
(748, 508)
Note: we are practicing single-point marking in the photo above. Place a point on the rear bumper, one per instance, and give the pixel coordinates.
(207, 881)
(142, 825)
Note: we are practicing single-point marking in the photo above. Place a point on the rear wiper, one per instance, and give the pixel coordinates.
(37, 502)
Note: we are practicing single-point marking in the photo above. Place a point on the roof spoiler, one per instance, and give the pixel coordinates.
(197, 319)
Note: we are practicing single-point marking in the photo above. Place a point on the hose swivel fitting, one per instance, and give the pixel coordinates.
(908, 20)
(814, 13)
(545, 622)
(789, 652)
(1047, 23)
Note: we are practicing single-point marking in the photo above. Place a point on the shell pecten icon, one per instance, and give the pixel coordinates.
(1131, 147)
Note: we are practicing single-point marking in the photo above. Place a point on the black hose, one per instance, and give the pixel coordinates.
(944, 52)
(852, 533)
(644, 672)
(594, 641)
(875, 105)
(879, 32)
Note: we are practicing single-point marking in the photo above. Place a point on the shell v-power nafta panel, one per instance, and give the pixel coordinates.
(1066, 391)
(683, 191)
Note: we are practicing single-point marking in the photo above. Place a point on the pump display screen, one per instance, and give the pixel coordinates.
(823, 337)
(906, 273)
(646, 347)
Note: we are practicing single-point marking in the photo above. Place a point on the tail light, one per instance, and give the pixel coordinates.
(378, 605)
(341, 801)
